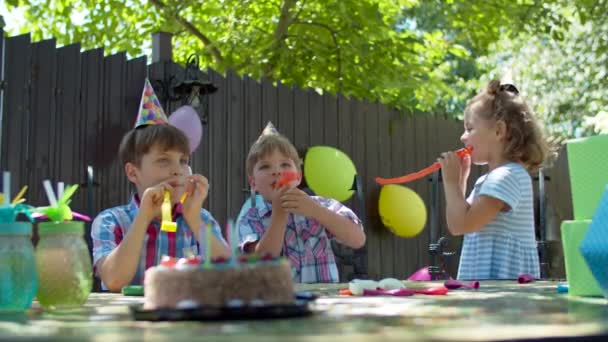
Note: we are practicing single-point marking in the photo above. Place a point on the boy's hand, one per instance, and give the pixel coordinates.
(298, 202)
(152, 199)
(277, 206)
(197, 189)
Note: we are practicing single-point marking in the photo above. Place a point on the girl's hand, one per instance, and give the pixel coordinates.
(197, 189)
(465, 168)
(298, 202)
(451, 168)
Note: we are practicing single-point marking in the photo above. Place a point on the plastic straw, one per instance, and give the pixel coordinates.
(6, 187)
(49, 192)
(18, 199)
(60, 188)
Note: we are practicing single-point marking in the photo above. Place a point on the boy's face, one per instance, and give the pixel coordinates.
(158, 166)
(268, 170)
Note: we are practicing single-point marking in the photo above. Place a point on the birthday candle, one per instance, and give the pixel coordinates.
(234, 240)
(207, 261)
(229, 239)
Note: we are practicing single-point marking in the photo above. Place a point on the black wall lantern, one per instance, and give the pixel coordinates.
(188, 87)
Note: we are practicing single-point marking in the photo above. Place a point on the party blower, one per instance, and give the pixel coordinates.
(424, 172)
(167, 224)
(288, 177)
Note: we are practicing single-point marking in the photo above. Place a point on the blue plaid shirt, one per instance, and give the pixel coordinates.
(307, 243)
(111, 225)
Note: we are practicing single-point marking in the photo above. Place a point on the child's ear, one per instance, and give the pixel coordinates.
(501, 129)
(131, 172)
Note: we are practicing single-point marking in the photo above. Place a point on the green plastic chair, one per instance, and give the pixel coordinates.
(588, 167)
(580, 279)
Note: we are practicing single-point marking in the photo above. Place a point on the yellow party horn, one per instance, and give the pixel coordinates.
(167, 223)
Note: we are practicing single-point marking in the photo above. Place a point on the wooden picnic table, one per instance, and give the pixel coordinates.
(499, 310)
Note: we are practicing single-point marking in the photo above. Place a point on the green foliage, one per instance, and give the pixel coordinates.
(564, 80)
(412, 55)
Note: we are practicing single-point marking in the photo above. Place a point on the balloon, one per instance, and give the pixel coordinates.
(422, 274)
(186, 119)
(401, 210)
(329, 172)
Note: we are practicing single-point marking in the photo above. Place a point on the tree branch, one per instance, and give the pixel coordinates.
(284, 20)
(211, 48)
(279, 35)
(333, 34)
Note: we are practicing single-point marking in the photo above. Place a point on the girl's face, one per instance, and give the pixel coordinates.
(486, 139)
(268, 170)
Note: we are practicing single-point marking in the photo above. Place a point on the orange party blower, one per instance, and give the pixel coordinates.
(288, 177)
(419, 174)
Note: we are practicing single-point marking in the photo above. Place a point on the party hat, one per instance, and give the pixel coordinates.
(269, 130)
(150, 110)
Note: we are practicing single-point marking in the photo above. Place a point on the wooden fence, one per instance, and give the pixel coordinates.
(64, 110)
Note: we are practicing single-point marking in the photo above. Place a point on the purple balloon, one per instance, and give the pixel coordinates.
(186, 119)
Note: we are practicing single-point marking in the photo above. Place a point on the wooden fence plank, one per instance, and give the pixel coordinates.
(43, 119)
(396, 168)
(374, 253)
(412, 248)
(91, 106)
(236, 147)
(113, 172)
(254, 122)
(270, 103)
(135, 79)
(315, 123)
(286, 111)
(67, 149)
(219, 152)
(343, 140)
(421, 186)
(384, 151)
(300, 118)
(16, 116)
(359, 158)
(330, 120)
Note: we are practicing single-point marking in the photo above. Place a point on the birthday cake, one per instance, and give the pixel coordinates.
(188, 283)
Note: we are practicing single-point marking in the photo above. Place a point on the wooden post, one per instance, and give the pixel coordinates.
(162, 50)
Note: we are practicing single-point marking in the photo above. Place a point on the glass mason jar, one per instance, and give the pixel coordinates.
(18, 281)
(65, 275)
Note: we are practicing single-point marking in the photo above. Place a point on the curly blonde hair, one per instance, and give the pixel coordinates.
(525, 141)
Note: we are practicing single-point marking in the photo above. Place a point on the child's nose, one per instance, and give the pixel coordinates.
(178, 171)
(463, 137)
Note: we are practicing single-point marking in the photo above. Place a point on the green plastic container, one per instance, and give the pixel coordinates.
(65, 276)
(580, 279)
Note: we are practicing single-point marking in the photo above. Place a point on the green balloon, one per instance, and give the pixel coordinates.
(329, 172)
